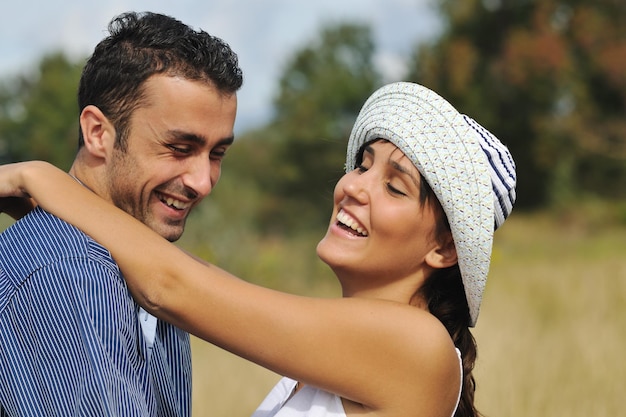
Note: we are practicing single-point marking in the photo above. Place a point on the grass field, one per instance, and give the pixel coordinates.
(551, 332)
(553, 325)
(550, 335)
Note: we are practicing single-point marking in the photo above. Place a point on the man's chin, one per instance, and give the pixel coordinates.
(173, 236)
(169, 232)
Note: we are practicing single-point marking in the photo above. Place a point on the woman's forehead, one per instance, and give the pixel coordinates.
(396, 154)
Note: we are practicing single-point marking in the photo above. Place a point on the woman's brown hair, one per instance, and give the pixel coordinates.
(445, 295)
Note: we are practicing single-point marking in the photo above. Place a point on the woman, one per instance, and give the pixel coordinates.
(409, 241)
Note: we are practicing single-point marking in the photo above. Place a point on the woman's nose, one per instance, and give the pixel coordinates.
(354, 185)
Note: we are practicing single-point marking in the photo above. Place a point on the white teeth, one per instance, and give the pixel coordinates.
(345, 219)
(176, 203)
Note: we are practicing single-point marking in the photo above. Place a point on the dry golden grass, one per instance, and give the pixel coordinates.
(225, 385)
(550, 335)
(553, 322)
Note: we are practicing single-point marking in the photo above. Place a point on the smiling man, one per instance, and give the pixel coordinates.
(157, 106)
(172, 157)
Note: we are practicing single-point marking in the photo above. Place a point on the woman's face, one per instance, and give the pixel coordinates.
(379, 231)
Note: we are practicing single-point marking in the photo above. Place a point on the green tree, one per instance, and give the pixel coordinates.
(299, 156)
(547, 77)
(39, 113)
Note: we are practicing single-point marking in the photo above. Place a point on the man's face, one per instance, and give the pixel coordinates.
(175, 146)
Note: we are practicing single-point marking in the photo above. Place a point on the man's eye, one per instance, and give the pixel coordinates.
(218, 153)
(179, 149)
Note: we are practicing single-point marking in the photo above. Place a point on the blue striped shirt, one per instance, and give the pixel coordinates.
(71, 342)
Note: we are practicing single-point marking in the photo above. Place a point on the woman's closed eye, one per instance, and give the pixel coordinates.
(395, 190)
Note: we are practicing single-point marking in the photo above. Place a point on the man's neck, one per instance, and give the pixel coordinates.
(83, 179)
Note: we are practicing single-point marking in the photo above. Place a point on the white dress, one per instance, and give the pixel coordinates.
(308, 401)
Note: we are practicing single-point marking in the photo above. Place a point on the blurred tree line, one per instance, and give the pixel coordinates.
(39, 113)
(547, 77)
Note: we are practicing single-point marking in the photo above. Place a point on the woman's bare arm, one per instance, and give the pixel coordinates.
(369, 351)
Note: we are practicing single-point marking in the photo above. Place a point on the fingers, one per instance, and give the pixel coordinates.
(16, 207)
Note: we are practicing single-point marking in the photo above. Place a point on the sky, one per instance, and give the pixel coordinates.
(264, 34)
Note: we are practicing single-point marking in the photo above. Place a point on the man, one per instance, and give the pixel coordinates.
(157, 106)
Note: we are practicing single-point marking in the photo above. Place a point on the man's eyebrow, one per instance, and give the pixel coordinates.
(186, 136)
(226, 141)
(198, 139)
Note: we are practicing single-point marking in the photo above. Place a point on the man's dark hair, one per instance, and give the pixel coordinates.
(140, 45)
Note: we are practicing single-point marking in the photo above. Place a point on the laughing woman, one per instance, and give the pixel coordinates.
(409, 240)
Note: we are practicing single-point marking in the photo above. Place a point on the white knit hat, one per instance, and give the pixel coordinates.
(470, 171)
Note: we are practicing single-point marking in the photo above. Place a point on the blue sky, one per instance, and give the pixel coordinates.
(263, 33)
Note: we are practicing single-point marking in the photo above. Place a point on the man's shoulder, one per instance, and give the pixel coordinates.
(42, 239)
(41, 229)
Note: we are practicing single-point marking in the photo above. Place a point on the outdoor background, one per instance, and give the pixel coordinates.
(547, 77)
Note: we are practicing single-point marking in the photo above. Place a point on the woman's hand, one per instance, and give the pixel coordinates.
(14, 200)
(16, 207)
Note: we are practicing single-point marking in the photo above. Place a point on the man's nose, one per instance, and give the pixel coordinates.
(199, 176)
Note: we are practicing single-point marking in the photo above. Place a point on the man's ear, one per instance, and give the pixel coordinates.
(98, 132)
(444, 254)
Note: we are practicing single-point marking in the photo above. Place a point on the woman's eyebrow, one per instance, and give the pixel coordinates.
(405, 171)
(395, 165)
